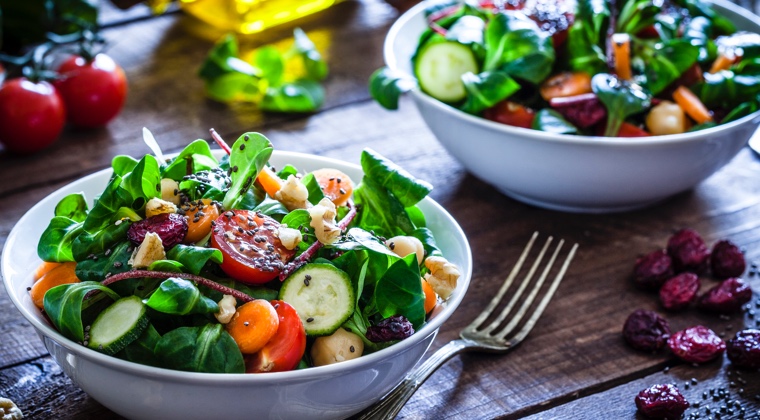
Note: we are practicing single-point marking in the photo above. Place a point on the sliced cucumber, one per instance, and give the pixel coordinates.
(118, 325)
(440, 66)
(322, 295)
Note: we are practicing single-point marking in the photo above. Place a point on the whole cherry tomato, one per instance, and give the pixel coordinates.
(283, 351)
(252, 251)
(32, 115)
(94, 91)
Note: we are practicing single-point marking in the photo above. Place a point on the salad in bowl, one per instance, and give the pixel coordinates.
(232, 266)
(626, 68)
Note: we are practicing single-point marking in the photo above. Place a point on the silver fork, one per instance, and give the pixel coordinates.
(489, 338)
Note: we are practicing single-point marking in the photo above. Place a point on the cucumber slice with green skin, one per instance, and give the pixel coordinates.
(439, 68)
(118, 325)
(322, 295)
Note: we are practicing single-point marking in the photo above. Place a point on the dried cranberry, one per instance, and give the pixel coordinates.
(170, 227)
(744, 349)
(679, 291)
(661, 402)
(646, 330)
(688, 251)
(581, 110)
(696, 344)
(727, 297)
(727, 260)
(394, 328)
(653, 269)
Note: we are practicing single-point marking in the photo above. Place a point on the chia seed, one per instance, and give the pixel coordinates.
(309, 319)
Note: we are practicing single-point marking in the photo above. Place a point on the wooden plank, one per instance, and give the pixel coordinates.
(700, 386)
(160, 57)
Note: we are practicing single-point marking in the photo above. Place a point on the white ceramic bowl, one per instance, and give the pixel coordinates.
(574, 173)
(143, 392)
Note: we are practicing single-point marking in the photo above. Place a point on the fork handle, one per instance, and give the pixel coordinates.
(390, 405)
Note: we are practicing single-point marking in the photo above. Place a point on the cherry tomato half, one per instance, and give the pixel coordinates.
(284, 351)
(252, 252)
(510, 113)
(94, 91)
(32, 115)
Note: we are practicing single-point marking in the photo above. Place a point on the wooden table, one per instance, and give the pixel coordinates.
(573, 365)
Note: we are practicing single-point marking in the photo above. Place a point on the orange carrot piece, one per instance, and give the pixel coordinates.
(621, 47)
(722, 62)
(199, 220)
(253, 325)
(62, 274)
(335, 184)
(44, 268)
(566, 84)
(691, 104)
(430, 297)
(269, 181)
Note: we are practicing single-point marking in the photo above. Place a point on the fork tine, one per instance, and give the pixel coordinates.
(505, 286)
(544, 302)
(520, 290)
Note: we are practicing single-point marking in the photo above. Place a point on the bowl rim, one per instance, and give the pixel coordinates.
(393, 63)
(170, 375)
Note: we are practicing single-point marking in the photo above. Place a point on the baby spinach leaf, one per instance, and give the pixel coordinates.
(195, 157)
(97, 243)
(515, 44)
(142, 349)
(144, 181)
(123, 164)
(56, 242)
(399, 291)
(271, 63)
(73, 206)
(381, 211)
(193, 258)
(107, 205)
(386, 86)
(64, 305)
(552, 121)
(315, 191)
(249, 154)
(725, 89)
(583, 52)
(486, 89)
(95, 269)
(297, 96)
(303, 47)
(621, 98)
(666, 62)
(405, 187)
(178, 296)
(200, 349)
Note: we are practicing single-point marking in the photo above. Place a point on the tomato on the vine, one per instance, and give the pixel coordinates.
(285, 349)
(252, 252)
(32, 115)
(94, 91)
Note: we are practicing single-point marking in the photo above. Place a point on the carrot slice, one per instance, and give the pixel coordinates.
(253, 325)
(335, 184)
(199, 219)
(691, 104)
(269, 181)
(44, 268)
(566, 84)
(62, 274)
(621, 46)
(430, 297)
(722, 62)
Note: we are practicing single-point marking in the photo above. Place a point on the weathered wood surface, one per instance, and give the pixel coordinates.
(574, 363)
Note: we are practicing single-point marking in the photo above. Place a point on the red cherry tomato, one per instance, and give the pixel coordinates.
(252, 253)
(510, 113)
(94, 92)
(32, 115)
(630, 130)
(284, 351)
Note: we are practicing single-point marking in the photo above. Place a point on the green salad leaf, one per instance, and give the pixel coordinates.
(180, 297)
(516, 45)
(249, 154)
(73, 206)
(207, 348)
(64, 305)
(55, 245)
(621, 98)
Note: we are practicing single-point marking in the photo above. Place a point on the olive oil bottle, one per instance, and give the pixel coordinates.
(251, 16)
